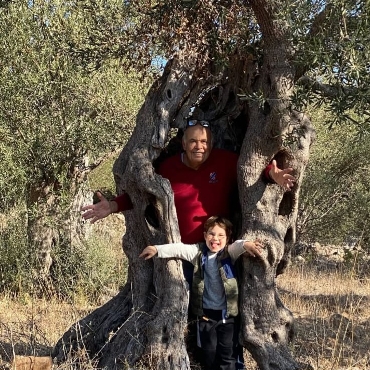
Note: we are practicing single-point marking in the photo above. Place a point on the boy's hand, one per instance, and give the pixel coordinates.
(254, 249)
(149, 252)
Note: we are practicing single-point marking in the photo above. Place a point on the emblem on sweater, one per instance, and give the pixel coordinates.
(212, 178)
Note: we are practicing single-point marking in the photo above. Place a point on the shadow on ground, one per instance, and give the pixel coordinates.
(12, 344)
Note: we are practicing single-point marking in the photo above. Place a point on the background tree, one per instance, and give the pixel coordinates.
(57, 121)
(277, 56)
(334, 206)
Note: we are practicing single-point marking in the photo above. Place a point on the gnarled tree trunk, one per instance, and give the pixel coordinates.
(268, 212)
(145, 323)
(44, 227)
(42, 233)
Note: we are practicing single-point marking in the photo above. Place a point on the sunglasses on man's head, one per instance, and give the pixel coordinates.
(194, 122)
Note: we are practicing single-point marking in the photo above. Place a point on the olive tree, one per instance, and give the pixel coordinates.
(58, 120)
(252, 66)
(334, 203)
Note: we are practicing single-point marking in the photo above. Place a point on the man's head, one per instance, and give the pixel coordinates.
(197, 143)
(217, 233)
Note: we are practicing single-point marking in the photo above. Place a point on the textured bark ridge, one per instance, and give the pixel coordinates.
(145, 324)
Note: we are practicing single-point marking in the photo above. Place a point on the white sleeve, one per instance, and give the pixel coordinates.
(186, 252)
(236, 249)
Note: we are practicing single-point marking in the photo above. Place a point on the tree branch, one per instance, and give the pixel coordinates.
(326, 90)
(317, 26)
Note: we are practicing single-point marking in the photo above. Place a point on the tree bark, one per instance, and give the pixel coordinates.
(42, 233)
(268, 212)
(145, 324)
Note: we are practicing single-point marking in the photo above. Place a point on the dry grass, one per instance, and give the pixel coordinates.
(331, 308)
(32, 327)
(332, 314)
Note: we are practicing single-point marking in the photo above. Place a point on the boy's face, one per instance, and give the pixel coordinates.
(215, 238)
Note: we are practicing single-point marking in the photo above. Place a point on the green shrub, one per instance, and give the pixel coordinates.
(15, 257)
(89, 271)
(335, 195)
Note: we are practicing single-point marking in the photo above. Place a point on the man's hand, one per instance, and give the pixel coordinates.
(254, 249)
(149, 252)
(282, 177)
(98, 211)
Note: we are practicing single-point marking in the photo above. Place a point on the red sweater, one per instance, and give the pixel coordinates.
(198, 194)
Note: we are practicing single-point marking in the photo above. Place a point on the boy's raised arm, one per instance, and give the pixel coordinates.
(246, 248)
(149, 252)
(173, 250)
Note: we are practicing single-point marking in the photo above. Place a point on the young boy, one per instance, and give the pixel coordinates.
(214, 298)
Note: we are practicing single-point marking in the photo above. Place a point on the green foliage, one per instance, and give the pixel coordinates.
(335, 197)
(15, 257)
(57, 121)
(138, 31)
(327, 42)
(86, 272)
(56, 118)
(332, 50)
(13, 175)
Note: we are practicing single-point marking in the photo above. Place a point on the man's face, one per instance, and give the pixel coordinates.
(197, 145)
(215, 238)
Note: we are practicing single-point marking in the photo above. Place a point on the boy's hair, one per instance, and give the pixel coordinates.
(220, 221)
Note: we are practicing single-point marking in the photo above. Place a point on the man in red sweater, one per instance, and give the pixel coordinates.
(202, 179)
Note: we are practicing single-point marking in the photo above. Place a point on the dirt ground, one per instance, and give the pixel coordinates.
(331, 310)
